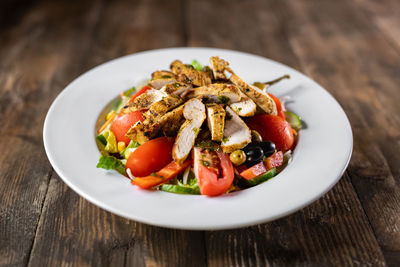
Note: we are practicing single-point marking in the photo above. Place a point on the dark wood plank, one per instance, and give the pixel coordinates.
(240, 25)
(72, 231)
(45, 44)
(282, 31)
(12, 10)
(386, 17)
(30, 65)
(331, 232)
(364, 75)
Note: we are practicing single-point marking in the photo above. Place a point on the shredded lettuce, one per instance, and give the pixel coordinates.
(111, 163)
(129, 149)
(111, 145)
(130, 91)
(192, 181)
(191, 187)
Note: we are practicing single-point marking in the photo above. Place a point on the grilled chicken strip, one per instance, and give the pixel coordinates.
(161, 107)
(262, 99)
(236, 133)
(245, 108)
(177, 88)
(138, 132)
(215, 121)
(194, 113)
(168, 124)
(196, 77)
(217, 92)
(161, 78)
(145, 100)
(162, 74)
(218, 67)
(161, 82)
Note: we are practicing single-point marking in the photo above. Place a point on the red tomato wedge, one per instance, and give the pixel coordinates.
(254, 171)
(121, 125)
(216, 178)
(141, 91)
(273, 128)
(275, 160)
(168, 172)
(279, 107)
(150, 157)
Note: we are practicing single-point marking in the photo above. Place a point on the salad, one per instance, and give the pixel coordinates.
(197, 129)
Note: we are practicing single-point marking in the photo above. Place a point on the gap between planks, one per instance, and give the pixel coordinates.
(49, 176)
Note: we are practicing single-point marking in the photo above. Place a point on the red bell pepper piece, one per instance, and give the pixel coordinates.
(275, 160)
(254, 171)
(165, 174)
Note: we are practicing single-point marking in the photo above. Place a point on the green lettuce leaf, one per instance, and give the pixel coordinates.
(130, 91)
(196, 65)
(111, 145)
(111, 163)
(129, 149)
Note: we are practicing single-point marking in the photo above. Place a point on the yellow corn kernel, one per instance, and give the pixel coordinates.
(121, 146)
(110, 114)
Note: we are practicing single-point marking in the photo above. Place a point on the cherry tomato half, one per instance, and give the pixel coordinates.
(278, 104)
(150, 157)
(273, 128)
(214, 178)
(122, 124)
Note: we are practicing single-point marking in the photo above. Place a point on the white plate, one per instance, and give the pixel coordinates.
(319, 160)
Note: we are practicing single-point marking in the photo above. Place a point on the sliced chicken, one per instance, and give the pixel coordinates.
(161, 78)
(194, 113)
(218, 67)
(262, 99)
(196, 77)
(137, 133)
(140, 131)
(177, 88)
(236, 133)
(161, 107)
(245, 108)
(168, 124)
(145, 100)
(182, 78)
(162, 74)
(217, 92)
(161, 82)
(215, 121)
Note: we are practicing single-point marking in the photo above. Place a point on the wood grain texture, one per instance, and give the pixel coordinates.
(350, 47)
(82, 233)
(386, 17)
(364, 70)
(31, 59)
(331, 232)
(309, 47)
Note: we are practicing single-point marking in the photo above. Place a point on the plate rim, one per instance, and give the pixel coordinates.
(106, 207)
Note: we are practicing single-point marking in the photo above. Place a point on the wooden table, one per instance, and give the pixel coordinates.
(351, 47)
